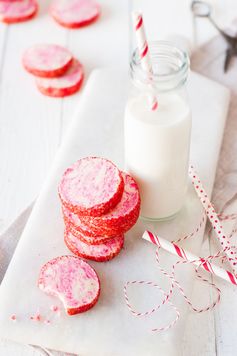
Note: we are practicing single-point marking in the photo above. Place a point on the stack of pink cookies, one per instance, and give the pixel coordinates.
(99, 203)
(57, 73)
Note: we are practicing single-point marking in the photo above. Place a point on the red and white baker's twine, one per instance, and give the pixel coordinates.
(228, 253)
(144, 54)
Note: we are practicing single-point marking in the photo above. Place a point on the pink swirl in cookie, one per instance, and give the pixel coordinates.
(47, 60)
(91, 186)
(80, 230)
(17, 11)
(100, 253)
(66, 84)
(73, 281)
(121, 218)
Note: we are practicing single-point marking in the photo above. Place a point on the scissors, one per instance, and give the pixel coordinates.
(202, 9)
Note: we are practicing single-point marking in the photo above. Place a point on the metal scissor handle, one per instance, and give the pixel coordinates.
(204, 10)
(201, 8)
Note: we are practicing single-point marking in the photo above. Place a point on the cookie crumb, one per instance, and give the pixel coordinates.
(36, 317)
(54, 308)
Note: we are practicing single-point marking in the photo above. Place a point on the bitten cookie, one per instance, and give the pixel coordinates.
(73, 281)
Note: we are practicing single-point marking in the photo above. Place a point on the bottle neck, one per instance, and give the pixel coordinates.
(170, 67)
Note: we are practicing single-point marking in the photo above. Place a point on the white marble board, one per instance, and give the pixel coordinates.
(108, 329)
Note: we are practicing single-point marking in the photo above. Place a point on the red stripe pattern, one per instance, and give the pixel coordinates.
(154, 239)
(139, 23)
(179, 251)
(155, 105)
(232, 278)
(206, 265)
(144, 50)
(144, 54)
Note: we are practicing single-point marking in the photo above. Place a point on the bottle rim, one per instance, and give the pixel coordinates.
(161, 52)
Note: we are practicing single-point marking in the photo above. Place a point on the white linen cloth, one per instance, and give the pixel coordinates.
(209, 61)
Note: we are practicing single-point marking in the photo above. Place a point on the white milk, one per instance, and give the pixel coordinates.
(157, 152)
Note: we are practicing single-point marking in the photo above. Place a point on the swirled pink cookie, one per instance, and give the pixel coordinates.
(67, 84)
(120, 219)
(73, 281)
(91, 186)
(47, 60)
(74, 13)
(100, 253)
(17, 11)
(81, 231)
(88, 239)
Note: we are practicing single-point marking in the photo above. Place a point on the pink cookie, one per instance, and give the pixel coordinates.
(73, 281)
(91, 186)
(81, 231)
(88, 239)
(47, 60)
(120, 219)
(67, 84)
(17, 11)
(74, 13)
(99, 253)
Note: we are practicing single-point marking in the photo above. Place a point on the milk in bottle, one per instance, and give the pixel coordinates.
(157, 142)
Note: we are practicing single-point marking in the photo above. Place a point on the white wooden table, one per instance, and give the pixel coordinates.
(32, 126)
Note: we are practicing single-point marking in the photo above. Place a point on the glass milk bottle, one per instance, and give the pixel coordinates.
(157, 143)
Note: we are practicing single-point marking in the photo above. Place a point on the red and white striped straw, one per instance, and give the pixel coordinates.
(144, 53)
(188, 256)
(214, 220)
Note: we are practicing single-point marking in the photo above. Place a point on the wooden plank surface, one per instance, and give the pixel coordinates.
(31, 125)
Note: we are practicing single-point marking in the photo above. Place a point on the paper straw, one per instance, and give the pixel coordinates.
(213, 217)
(144, 53)
(188, 256)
